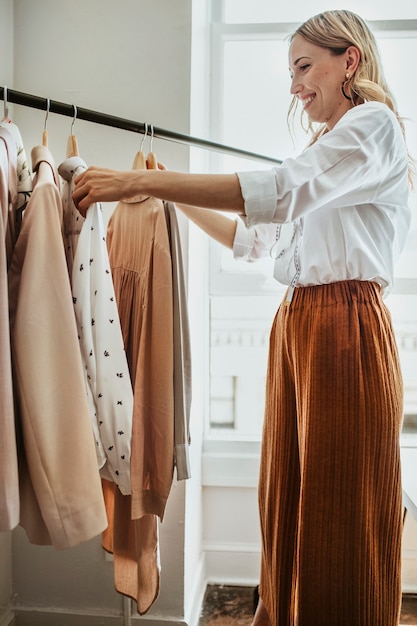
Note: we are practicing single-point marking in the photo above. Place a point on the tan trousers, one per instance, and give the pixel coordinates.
(330, 486)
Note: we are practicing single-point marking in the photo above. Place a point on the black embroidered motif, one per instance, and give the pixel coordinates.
(120, 432)
(106, 353)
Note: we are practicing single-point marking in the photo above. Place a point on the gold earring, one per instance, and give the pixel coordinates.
(347, 75)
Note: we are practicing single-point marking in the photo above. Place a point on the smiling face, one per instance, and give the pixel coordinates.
(316, 78)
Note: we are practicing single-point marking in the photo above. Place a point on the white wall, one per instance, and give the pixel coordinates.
(132, 59)
(6, 43)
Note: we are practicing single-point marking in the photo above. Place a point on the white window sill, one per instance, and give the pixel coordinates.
(230, 463)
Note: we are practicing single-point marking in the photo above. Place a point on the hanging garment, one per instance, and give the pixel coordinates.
(140, 259)
(182, 349)
(106, 371)
(9, 484)
(61, 495)
(24, 178)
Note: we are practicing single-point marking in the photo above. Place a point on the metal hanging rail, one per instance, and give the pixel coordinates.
(71, 110)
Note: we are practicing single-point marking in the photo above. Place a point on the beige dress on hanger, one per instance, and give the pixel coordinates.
(140, 259)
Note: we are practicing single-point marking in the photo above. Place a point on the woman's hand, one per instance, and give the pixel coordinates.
(98, 184)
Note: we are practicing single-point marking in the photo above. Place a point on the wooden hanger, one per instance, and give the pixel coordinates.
(151, 161)
(140, 161)
(72, 144)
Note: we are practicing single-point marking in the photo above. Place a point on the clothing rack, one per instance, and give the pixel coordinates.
(88, 115)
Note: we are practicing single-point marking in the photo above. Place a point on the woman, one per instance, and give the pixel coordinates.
(329, 486)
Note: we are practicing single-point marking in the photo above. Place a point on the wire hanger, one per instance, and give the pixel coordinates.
(72, 144)
(151, 160)
(45, 131)
(6, 105)
(140, 160)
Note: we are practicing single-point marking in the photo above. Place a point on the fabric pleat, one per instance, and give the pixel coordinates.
(330, 485)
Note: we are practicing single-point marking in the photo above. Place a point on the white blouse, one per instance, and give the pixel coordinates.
(339, 211)
(107, 377)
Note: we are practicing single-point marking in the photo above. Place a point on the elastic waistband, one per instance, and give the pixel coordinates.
(342, 292)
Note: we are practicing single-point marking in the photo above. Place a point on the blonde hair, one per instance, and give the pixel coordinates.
(337, 30)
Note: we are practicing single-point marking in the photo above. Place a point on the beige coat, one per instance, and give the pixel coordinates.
(61, 495)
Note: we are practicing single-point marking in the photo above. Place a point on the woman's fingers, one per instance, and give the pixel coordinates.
(98, 185)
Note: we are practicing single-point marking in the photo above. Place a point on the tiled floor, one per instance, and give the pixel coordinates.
(233, 606)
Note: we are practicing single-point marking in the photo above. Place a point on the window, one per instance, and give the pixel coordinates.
(249, 104)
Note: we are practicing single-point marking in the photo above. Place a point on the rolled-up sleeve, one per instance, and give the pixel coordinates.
(244, 241)
(254, 242)
(259, 191)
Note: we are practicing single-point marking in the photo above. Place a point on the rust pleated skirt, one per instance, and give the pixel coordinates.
(330, 485)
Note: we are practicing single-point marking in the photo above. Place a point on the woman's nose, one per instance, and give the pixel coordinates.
(295, 87)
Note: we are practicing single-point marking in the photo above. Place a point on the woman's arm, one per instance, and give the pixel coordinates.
(217, 226)
(211, 191)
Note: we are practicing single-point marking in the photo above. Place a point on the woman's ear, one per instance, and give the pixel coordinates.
(353, 56)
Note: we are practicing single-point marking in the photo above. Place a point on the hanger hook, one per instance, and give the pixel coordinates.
(6, 104)
(74, 118)
(151, 143)
(144, 135)
(48, 105)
